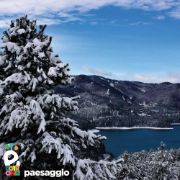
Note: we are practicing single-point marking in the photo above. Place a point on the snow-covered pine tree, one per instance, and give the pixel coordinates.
(33, 116)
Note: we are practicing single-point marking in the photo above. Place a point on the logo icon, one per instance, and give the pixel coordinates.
(12, 165)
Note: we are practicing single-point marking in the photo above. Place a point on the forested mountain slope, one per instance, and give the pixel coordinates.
(106, 102)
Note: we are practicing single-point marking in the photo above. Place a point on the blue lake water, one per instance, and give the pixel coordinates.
(135, 140)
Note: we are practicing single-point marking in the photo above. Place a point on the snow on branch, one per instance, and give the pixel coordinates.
(88, 169)
(18, 119)
(58, 102)
(17, 78)
(38, 115)
(64, 152)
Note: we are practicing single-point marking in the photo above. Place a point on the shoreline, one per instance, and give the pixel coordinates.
(131, 128)
(175, 124)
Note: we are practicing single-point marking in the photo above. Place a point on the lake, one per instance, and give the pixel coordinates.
(135, 140)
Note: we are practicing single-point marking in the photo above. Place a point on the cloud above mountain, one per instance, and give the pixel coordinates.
(172, 77)
(59, 11)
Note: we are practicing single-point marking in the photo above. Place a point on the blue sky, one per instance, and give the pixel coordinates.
(119, 39)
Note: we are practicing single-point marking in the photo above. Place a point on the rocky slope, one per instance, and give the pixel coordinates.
(106, 102)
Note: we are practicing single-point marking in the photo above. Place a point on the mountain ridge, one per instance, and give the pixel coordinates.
(106, 102)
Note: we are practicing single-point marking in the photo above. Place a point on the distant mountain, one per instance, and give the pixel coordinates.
(106, 102)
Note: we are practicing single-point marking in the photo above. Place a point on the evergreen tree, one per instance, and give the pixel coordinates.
(32, 116)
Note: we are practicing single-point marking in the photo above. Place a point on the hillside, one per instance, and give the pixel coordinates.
(106, 102)
(161, 164)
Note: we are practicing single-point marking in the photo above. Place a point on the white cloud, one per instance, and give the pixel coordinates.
(4, 23)
(69, 10)
(157, 78)
(160, 17)
(39, 7)
(94, 23)
(142, 77)
(95, 71)
(175, 13)
(153, 77)
(139, 23)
